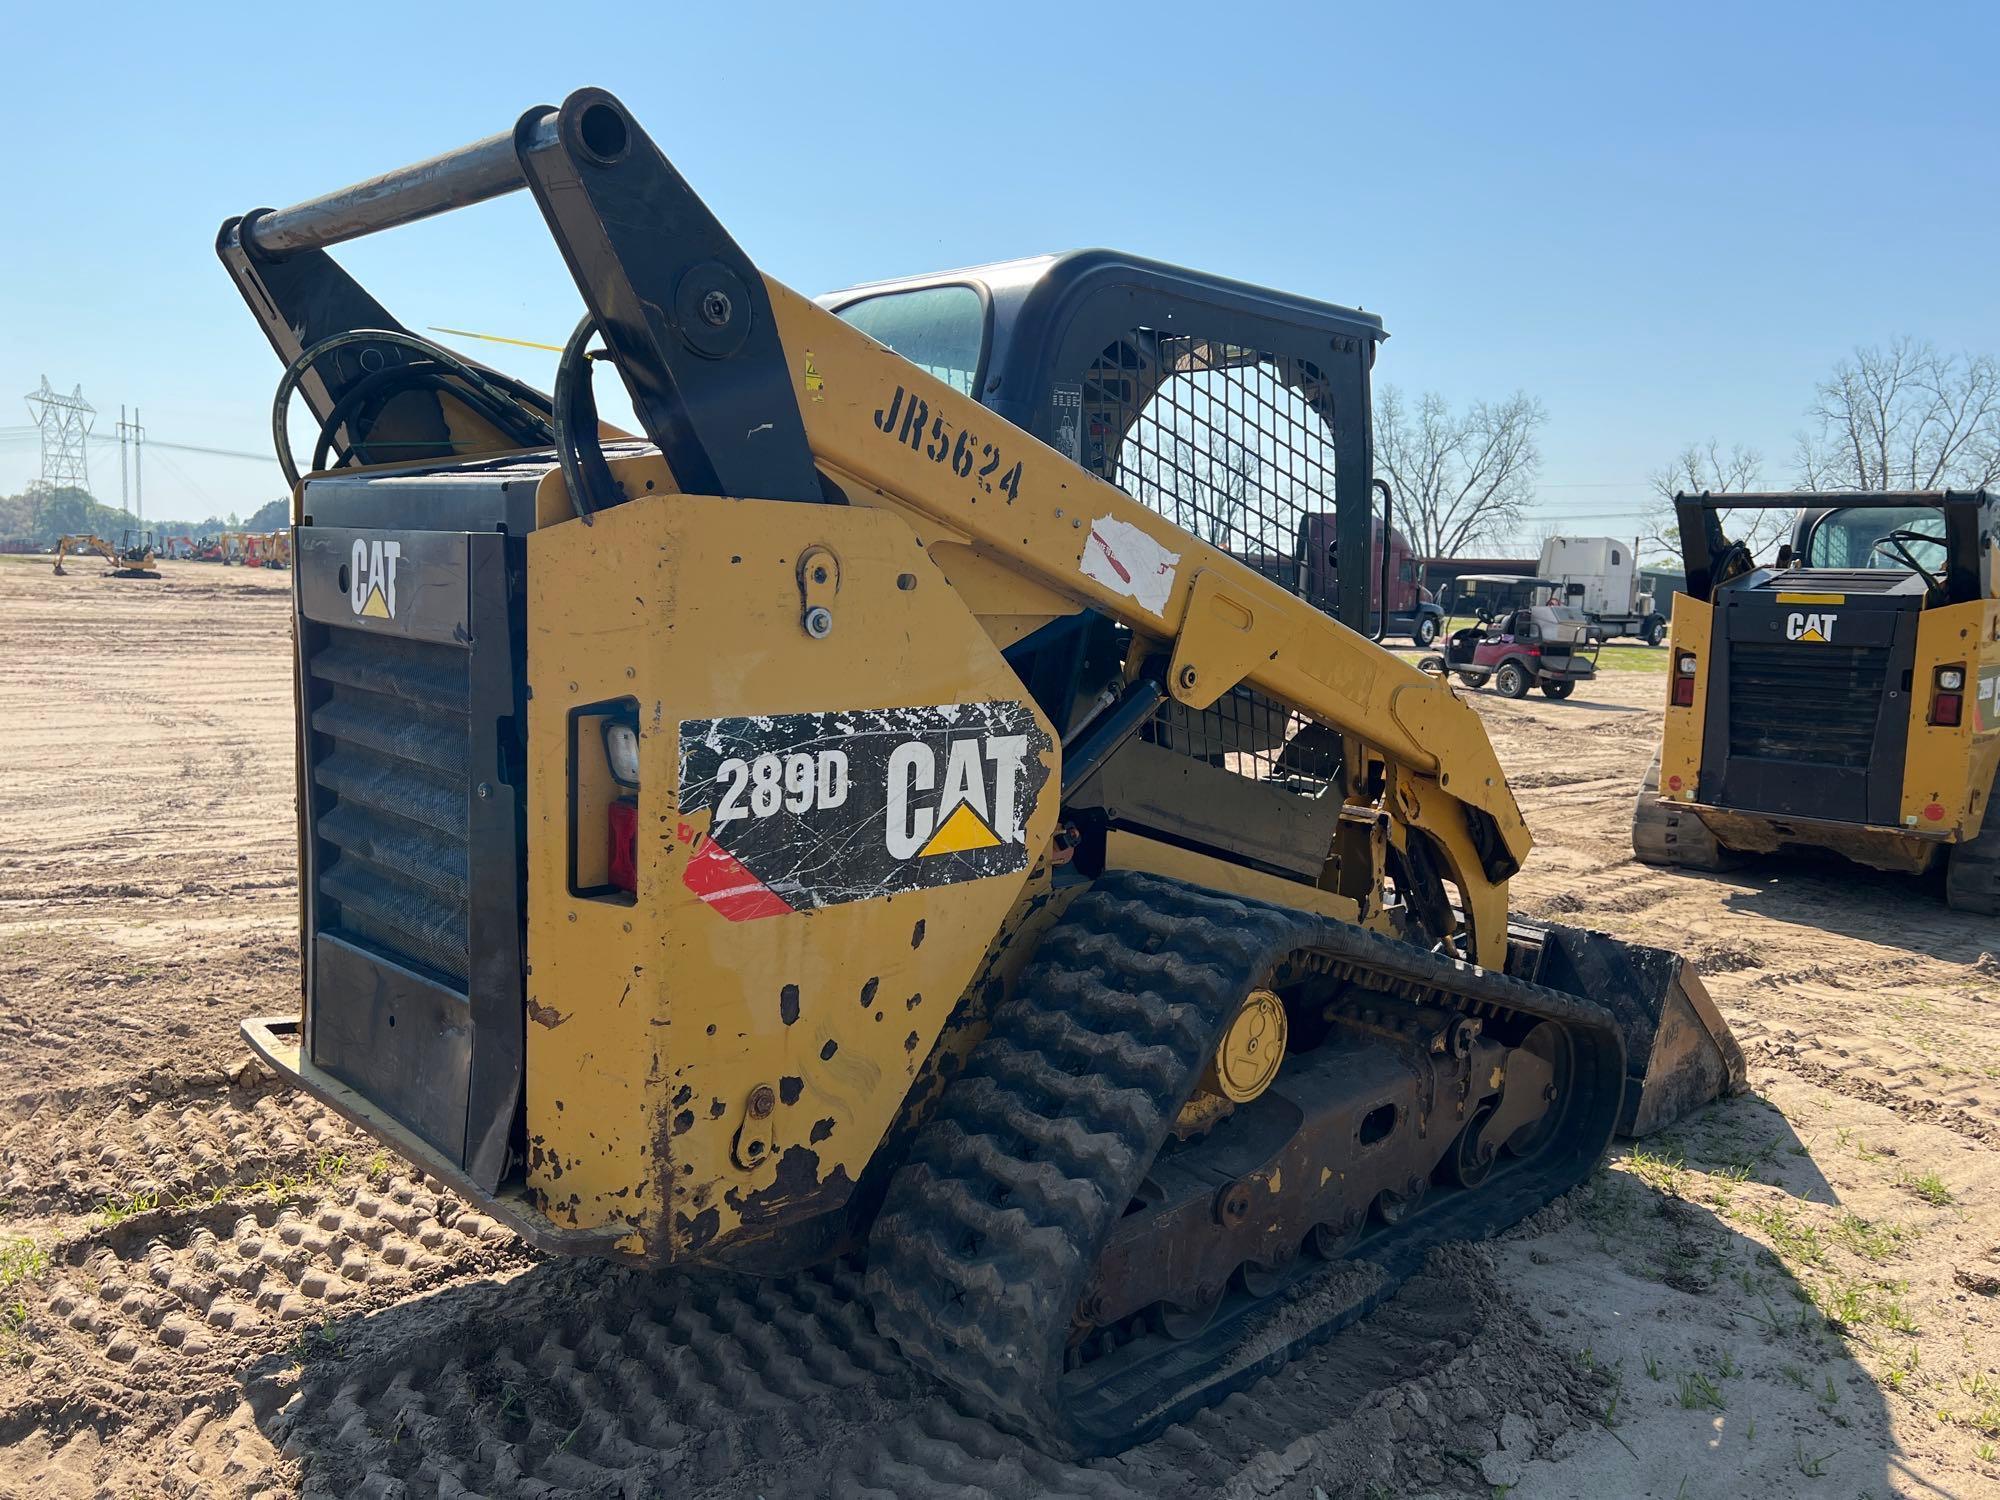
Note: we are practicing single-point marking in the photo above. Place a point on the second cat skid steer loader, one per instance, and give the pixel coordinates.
(1846, 699)
(857, 817)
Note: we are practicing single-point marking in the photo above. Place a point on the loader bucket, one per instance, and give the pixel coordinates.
(1679, 1053)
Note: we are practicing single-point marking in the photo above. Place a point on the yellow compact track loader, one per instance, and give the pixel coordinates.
(902, 805)
(1847, 699)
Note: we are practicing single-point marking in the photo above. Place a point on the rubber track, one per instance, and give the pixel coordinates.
(1972, 878)
(1667, 835)
(990, 1231)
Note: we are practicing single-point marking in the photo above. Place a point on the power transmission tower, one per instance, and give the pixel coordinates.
(65, 422)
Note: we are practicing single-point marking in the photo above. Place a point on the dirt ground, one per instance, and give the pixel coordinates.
(210, 1286)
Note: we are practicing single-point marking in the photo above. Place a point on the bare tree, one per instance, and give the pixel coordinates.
(1460, 478)
(1904, 417)
(1704, 466)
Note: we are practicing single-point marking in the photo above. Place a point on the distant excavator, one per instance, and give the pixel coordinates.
(133, 557)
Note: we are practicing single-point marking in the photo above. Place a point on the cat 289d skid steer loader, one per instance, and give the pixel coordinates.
(879, 810)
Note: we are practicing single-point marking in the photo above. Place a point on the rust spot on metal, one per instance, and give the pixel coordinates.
(763, 1099)
(698, 1231)
(683, 1121)
(717, 1109)
(917, 934)
(790, 1088)
(797, 1192)
(868, 991)
(545, 1015)
(788, 1004)
(914, 1001)
(826, 1052)
(682, 1095)
(821, 1130)
(910, 1042)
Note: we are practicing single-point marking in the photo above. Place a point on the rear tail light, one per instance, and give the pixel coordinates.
(622, 826)
(1684, 671)
(1948, 697)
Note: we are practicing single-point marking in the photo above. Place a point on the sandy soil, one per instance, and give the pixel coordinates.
(210, 1286)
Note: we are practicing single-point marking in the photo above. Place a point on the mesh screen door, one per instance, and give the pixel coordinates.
(1235, 445)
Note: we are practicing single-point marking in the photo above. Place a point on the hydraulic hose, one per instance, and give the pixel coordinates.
(510, 407)
(584, 470)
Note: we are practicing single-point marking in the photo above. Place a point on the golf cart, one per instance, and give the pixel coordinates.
(1522, 639)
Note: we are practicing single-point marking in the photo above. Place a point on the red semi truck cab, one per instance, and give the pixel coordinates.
(1412, 609)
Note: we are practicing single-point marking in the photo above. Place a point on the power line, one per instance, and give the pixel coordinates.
(153, 442)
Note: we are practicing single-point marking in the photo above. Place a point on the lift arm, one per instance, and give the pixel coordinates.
(748, 388)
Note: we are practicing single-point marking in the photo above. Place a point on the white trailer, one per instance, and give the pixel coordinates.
(1600, 576)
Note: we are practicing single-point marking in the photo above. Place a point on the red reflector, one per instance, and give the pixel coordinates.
(1946, 708)
(1683, 692)
(624, 851)
(1673, 783)
(1935, 812)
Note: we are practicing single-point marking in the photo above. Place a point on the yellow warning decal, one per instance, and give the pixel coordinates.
(1812, 598)
(814, 383)
(964, 830)
(375, 607)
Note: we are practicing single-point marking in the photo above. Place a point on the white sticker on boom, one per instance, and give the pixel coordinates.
(1127, 561)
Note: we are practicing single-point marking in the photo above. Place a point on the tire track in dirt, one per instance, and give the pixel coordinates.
(579, 1379)
(76, 1149)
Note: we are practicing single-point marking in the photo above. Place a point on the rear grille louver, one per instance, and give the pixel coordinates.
(390, 731)
(1812, 703)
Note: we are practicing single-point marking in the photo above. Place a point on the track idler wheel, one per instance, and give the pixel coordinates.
(1544, 1057)
(1187, 1320)
(1334, 1241)
(1395, 1208)
(1269, 1278)
(1474, 1152)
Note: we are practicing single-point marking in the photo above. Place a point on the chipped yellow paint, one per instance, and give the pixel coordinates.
(1949, 768)
(690, 607)
(1680, 740)
(674, 1014)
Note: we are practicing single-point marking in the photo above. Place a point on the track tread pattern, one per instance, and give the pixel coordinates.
(982, 1295)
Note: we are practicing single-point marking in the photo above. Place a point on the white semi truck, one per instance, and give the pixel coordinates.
(1600, 576)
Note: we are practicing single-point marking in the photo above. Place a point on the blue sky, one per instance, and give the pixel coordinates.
(1666, 221)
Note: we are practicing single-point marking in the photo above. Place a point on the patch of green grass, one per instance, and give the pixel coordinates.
(1847, 1138)
(1871, 1239)
(1664, 1172)
(121, 1206)
(1812, 1468)
(1633, 659)
(1931, 1188)
(21, 1260)
(1652, 1367)
(1895, 1317)
(1698, 1391)
(1796, 1242)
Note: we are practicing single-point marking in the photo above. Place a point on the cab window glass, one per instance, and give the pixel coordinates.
(1857, 537)
(939, 329)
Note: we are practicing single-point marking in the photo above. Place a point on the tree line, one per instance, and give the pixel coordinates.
(1907, 416)
(41, 514)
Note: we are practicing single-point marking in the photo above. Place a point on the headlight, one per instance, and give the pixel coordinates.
(1951, 679)
(621, 748)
